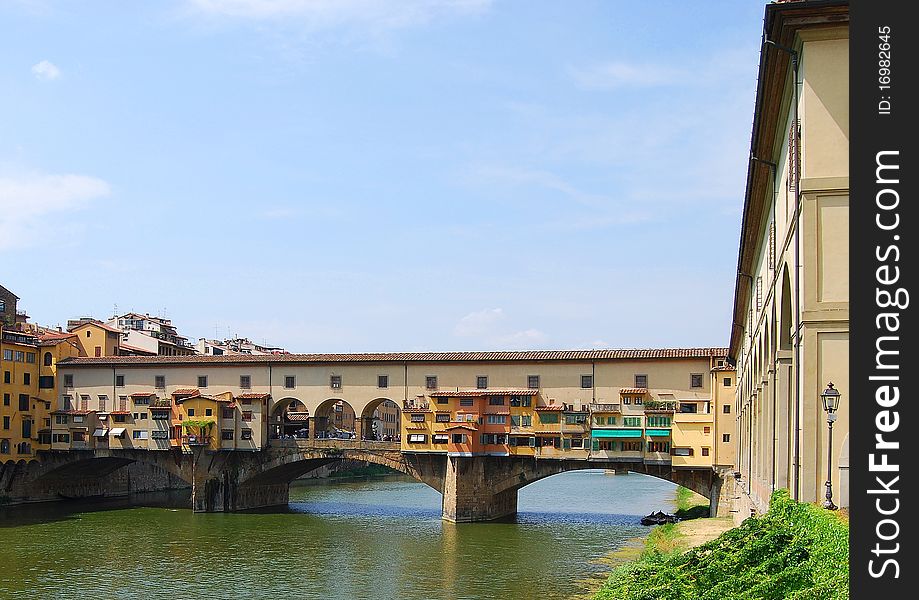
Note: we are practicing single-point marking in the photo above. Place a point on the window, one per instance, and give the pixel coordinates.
(658, 421)
(245, 434)
(47, 359)
(159, 382)
(191, 412)
(290, 382)
(208, 412)
(725, 437)
(247, 415)
(466, 401)
(46, 382)
(695, 380)
(417, 438)
(481, 382)
(418, 418)
(727, 382)
(7, 377)
(23, 402)
(61, 419)
(20, 356)
(202, 381)
(726, 409)
(533, 382)
(641, 381)
(626, 400)
(548, 417)
(430, 382)
(84, 401)
(575, 419)
(521, 400)
(382, 381)
(245, 382)
(141, 399)
(587, 382)
(638, 401)
(228, 413)
(440, 438)
(335, 382)
(442, 418)
(30, 358)
(60, 438)
(459, 438)
(7, 354)
(631, 446)
(119, 380)
(496, 419)
(120, 418)
(103, 400)
(658, 446)
(442, 400)
(681, 452)
(496, 400)
(577, 443)
(688, 407)
(68, 381)
(26, 379)
(6, 422)
(226, 434)
(140, 434)
(704, 451)
(706, 429)
(6, 399)
(526, 420)
(631, 421)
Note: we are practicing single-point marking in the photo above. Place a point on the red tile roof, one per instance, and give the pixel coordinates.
(485, 392)
(416, 357)
(557, 407)
(253, 396)
(189, 391)
(142, 395)
(633, 391)
(464, 426)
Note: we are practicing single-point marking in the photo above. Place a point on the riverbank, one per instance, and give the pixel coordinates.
(795, 550)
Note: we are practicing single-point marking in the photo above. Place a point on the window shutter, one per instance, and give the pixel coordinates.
(772, 246)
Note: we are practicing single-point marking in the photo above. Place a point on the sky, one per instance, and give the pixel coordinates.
(380, 175)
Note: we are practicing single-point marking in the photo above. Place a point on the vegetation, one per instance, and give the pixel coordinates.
(690, 505)
(795, 551)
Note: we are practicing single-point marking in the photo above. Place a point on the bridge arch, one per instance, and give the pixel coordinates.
(288, 416)
(380, 420)
(334, 417)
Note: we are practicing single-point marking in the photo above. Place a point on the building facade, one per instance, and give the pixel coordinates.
(651, 405)
(790, 332)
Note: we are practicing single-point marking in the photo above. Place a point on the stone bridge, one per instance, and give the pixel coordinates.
(474, 488)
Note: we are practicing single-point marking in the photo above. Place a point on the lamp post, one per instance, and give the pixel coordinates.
(830, 397)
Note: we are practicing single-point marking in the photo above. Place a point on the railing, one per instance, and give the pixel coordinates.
(660, 405)
(416, 405)
(605, 407)
(334, 444)
(196, 440)
(79, 445)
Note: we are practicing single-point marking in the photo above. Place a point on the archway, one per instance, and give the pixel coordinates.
(335, 418)
(380, 421)
(785, 329)
(290, 418)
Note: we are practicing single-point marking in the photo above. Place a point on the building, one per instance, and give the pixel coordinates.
(22, 413)
(234, 346)
(146, 335)
(790, 325)
(95, 338)
(619, 405)
(8, 302)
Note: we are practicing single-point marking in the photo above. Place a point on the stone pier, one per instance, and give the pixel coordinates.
(470, 492)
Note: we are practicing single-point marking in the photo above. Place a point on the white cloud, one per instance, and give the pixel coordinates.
(29, 200)
(478, 323)
(321, 14)
(46, 71)
(614, 75)
(487, 329)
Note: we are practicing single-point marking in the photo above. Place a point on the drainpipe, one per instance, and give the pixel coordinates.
(796, 139)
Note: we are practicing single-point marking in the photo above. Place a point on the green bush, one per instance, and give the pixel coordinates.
(795, 551)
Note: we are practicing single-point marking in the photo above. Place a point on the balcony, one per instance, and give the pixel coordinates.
(605, 407)
(660, 406)
(416, 405)
(196, 440)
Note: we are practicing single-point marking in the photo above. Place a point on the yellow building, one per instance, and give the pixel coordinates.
(790, 332)
(95, 338)
(22, 413)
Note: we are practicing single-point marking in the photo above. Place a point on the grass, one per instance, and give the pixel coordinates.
(795, 551)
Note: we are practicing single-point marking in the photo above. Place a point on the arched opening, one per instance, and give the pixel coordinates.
(335, 418)
(289, 419)
(785, 329)
(47, 359)
(380, 421)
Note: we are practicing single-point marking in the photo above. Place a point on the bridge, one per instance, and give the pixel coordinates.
(474, 488)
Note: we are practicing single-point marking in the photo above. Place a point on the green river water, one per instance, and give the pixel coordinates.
(342, 540)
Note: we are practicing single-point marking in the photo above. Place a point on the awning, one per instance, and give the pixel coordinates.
(658, 432)
(100, 432)
(616, 433)
(117, 431)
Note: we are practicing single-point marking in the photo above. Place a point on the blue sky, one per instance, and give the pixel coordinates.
(373, 175)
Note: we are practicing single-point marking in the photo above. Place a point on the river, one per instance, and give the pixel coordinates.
(342, 540)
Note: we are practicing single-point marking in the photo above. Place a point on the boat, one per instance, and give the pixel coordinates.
(659, 518)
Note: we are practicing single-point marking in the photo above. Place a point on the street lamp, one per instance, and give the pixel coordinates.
(830, 397)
